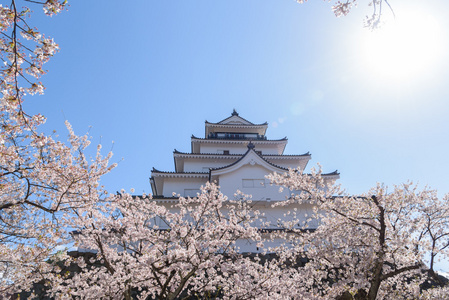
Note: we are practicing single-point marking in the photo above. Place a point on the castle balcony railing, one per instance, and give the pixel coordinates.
(236, 136)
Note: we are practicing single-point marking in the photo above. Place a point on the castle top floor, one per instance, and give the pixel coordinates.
(235, 127)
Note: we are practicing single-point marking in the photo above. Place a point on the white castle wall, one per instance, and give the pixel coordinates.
(182, 186)
(238, 148)
(240, 180)
(203, 165)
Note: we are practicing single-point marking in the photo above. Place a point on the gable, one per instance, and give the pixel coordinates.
(250, 158)
(235, 120)
(247, 175)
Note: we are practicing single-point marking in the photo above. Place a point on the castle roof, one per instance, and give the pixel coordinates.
(243, 140)
(159, 173)
(235, 119)
(235, 124)
(279, 144)
(199, 155)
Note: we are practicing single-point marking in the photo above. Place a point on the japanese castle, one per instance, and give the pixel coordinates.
(236, 154)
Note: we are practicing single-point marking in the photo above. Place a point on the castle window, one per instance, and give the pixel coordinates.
(253, 183)
(191, 192)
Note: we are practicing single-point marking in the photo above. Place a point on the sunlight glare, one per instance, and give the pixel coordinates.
(404, 47)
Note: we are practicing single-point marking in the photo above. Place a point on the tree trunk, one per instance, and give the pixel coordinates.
(379, 262)
(127, 294)
(376, 280)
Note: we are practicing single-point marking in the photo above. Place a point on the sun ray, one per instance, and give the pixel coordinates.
(404, 47)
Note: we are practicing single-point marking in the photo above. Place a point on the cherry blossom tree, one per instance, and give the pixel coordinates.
(373, 246)
(159, 252)
(434, 230)
(342, 8)
(40, 177)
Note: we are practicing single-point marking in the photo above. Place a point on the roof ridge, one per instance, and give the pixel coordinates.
(244, 140)
(235, 114)
(222, 154)
(331, 173)
(174, 172)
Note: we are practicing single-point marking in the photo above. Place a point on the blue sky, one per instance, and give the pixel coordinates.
(142, 77)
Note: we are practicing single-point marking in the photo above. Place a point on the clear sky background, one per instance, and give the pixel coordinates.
(147, 74)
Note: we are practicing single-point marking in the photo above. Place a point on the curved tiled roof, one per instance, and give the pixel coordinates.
(332, 173)
(335, 173)
(172, 172)
(251, 124)
(243, 140)
(234, 113)
(219, 154)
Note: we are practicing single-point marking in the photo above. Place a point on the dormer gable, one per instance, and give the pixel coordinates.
(252, 158)
(234, 125)
(235, 119)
